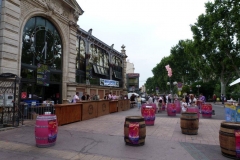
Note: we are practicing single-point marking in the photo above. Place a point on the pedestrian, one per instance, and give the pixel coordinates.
(76, 97)
(184, 105)
(187, 99)
(160, 102)
(202, 98)
(192, 100)
(132, 100)
(139, 100)
(106, 96)
(169, 98)
(150, 100)
(214, 98)
(222, 98)
(85, 97)
(110, 96)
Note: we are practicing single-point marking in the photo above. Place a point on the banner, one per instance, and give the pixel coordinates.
(107, 82)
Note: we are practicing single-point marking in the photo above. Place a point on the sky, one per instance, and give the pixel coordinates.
(148, 28)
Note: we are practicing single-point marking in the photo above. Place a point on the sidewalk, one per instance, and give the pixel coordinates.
(102, 139)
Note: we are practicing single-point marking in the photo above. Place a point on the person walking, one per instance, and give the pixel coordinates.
(214, 98)
(160, 102)
(222, 98)
(139, 100)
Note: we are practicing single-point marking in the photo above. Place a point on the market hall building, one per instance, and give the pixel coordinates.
(41, 42)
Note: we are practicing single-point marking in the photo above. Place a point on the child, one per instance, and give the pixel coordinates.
(184, 105)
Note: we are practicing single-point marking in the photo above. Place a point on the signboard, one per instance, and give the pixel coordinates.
(133, 74)
(43, 75)
(179, 85)
(24, 95)
(107, 82)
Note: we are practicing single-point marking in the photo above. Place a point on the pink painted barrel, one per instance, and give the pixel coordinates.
(178, 106)
(154, 106)
(46, 129)
(171, 109)
(193, 110)
(206, 110)
(148, 112)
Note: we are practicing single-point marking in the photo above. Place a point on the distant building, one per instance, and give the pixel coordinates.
(129, 67)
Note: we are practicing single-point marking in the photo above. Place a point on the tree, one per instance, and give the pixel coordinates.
(216, 39)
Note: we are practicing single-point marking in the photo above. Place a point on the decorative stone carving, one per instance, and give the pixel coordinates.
(90, 32)
(76, 14)
(72, 24)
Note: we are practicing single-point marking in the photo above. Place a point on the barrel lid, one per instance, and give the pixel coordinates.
(190, 112)
(230, 125)
(134, 118)
(47, 116)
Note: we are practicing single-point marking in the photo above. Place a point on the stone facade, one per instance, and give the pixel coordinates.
(15, 13)
(64, 15)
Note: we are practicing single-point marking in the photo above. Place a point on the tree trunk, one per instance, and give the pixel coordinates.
(223, 87)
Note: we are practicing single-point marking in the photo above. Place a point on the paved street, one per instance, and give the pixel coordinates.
(102, 139)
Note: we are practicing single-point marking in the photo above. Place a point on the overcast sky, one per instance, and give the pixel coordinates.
(148, 28)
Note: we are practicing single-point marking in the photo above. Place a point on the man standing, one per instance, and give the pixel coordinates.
(76, 98)
(85, 96)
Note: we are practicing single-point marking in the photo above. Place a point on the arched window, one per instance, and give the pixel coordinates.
(41, 57)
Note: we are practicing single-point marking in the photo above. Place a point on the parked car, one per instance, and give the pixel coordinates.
(143, 100)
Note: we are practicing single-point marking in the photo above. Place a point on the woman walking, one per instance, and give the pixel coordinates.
(139, 100)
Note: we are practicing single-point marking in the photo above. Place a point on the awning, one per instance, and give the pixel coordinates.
(235, 82)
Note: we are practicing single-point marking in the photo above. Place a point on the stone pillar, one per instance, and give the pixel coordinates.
(123, 51)
(9, 41)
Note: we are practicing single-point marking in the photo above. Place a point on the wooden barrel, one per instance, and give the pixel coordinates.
(193, 110)
(134, 130)
(46, 129)
(189, 123)
(229, 138)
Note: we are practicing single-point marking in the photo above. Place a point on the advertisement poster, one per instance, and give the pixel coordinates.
(148, 113)
(52, 131)
(107, 82)
(230, 113)
(237, 142)
(134, 132)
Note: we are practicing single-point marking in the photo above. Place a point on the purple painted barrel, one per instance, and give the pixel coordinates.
(148, 112)
(206, 110)
(193, 110)
(178, 106)
(171, 109)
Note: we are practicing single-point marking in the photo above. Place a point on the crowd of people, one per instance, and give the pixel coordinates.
(188, 100)
(87, 97)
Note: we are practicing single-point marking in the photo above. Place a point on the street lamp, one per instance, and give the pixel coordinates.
(198, 86)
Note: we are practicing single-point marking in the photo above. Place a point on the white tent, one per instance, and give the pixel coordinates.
(130, 94)
(235, 82)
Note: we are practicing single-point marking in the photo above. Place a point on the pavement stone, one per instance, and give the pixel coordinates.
(102, 139)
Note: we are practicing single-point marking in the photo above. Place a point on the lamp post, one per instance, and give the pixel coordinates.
(198, 86)
(169, 84)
